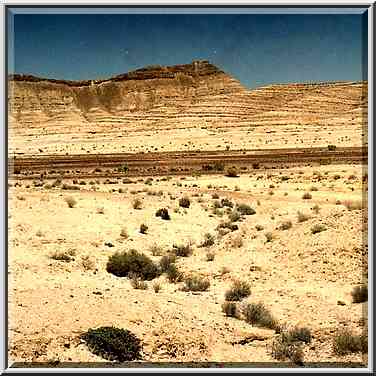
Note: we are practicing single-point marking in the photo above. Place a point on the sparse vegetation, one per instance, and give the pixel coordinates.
(195, 283)
(185, 202)
(71, 201)
(174, 275)
(345, 342)
(124, 233)
(137, 204)
(208, 241)
(317, 228)
(66, 256)
(232, 172)
(113, 344)
(230, 309)
(238, 291)
(182, 250)
(286, 225)
(302, 217)
(121, 264)
(245, 209)
(269, 237)
(257, 314)
(163, 213)
(306, 196)
(143, 228)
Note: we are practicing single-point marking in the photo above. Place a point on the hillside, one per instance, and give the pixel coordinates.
(150, 107)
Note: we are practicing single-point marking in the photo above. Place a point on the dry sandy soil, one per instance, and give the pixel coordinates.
(304, 279)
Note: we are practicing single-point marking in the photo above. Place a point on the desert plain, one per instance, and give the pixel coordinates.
(214, 155)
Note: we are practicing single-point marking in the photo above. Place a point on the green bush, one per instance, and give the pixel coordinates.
(360, 294)
(257, 314)
(113, 343)
(238, 291)
(195, 283)
(134, 263)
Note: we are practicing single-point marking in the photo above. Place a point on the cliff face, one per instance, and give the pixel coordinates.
(37, 102)
(196, 96)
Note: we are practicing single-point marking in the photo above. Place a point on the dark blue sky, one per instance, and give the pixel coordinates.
(257, 49)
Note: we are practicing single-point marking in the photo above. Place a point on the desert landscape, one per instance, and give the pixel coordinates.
(201, 221)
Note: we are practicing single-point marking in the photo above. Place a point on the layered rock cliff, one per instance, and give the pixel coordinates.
(197, 95)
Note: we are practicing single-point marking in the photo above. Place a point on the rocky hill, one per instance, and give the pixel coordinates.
(171, 101)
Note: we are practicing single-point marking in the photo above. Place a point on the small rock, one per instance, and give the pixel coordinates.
(109, 244)
(340, 302)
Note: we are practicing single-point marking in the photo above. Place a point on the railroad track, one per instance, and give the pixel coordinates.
(86, 165)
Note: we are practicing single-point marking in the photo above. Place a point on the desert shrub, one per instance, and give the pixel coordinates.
(143, 228)
(283, 350)
(317, 228)
(238, 291)
(88, 262)
(353, 205)
(124, 233)
(163, 213)
(215, 196)
(313, 189)
(316, 209)
(228, 225)
(245, 209)
(137, 204)
(306, 196)
(285, 178)
(195, 283)
(230, 309)
(66, 256)
(137, 283)
(156, 250)
(100, 210)
(157, 286)
(226, 202)
(184, 202)
(259, 227)
(113, 343)
(174, 275)
(269, 237)
(332, 147)
(232, 172)
(345, 342)
(71, 201)
(300, 334)
(286, 225)
(166, 261)
(237, 241)
(182, 250)
(82, 182)
(210, 256)
(234, 216)
(208, 241)
(217, 204)
(122, 264)
(360, 294)
(302, 217)
(257, 314)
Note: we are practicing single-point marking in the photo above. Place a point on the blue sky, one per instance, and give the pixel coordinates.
(257, 49)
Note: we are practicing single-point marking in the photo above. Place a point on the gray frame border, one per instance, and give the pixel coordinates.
(371, 10)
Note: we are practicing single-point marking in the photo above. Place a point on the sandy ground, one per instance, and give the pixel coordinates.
(299, 276)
